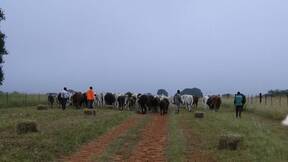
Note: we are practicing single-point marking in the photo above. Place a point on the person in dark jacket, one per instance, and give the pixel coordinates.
(239, 103)
(177, 101)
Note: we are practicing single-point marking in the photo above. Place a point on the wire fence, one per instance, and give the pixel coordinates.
(21, 100)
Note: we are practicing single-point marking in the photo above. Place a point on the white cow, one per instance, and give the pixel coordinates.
(99, 99)
(204, 101)
(285, 121)
(187, 100)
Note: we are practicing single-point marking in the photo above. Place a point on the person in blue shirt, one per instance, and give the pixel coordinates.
(239, 103)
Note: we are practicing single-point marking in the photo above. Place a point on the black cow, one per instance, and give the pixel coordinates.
(142, 101)
(121, 102)
(164, 104)
(51, 100)
(110, 99)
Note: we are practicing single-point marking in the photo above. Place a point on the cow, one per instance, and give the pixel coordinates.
(187, 100)
(110, 99)
(204, 101)
(285, 121)
(195, 101)
(214, 103)
(153, 103)
(131, 100)
(78, 99)
(142, 101)
(51, 100)
(99, 100)
(164, 105)
(122, 100)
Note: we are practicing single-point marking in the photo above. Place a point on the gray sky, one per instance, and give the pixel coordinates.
(129, 45)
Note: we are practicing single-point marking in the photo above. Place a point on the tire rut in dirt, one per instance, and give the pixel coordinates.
(153, 141)
(97, 147)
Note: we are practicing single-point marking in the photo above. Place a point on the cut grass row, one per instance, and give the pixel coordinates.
(264, 139)
(61, 132)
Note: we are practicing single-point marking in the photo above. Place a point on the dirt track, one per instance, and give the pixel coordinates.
(98, 146)
(153, 141)
(151, 145)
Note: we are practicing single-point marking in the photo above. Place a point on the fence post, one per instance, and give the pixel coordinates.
(25, 99)
(265, 99)
(7, 98)
(260, 98)
(248, 99)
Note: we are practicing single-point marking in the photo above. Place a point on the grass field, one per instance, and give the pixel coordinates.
(263, 139)
(21, 100)
(62, 133)
(275, 108)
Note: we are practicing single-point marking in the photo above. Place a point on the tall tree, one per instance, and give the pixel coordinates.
(2, 48)
(162, 92)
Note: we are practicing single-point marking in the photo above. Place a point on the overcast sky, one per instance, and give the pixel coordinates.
(218, 46)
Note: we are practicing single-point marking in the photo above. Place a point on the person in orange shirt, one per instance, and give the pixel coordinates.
(90, 97)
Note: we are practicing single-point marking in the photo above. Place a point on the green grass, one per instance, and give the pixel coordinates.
(61, 132)
(276, 110)
(265, 140)
(8, 100)
(176, 139)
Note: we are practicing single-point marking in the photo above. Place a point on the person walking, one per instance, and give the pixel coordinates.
(177, 101)
(90, 97)
(239, 103)
(64, 96)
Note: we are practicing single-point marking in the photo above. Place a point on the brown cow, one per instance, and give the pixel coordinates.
(78, 99)
(195, 101)
(214, 102)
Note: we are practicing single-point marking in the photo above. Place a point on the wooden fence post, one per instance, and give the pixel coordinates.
(260, 98)
(265, 99)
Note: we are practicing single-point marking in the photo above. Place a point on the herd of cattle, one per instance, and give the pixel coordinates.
(140, 102)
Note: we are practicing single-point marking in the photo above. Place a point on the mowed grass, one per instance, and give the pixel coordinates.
(264, 139)
(60, 132)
